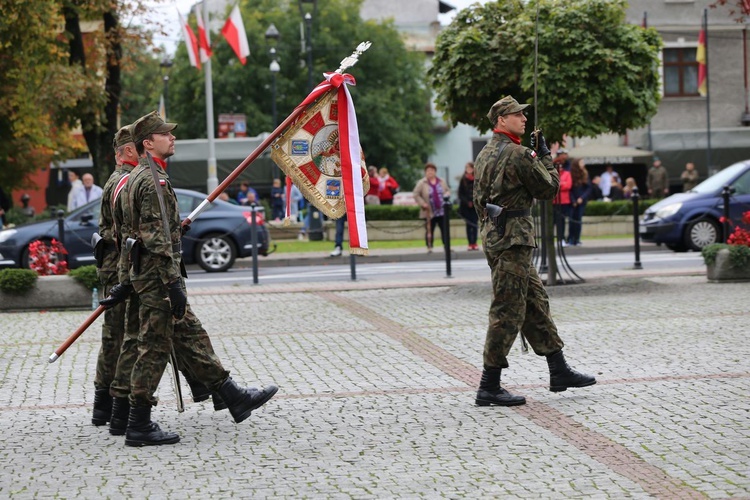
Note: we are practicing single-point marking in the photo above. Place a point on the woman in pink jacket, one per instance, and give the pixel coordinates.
(561, 202)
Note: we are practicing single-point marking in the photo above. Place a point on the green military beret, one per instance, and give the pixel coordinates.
(150, 124)
(505, 106)
(122, 137)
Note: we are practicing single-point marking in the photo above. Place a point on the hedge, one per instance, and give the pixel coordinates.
(593, 208)
(18, 281)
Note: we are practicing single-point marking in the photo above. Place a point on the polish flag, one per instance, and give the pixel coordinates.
(190, 42)
(234, 32)
(203, 44)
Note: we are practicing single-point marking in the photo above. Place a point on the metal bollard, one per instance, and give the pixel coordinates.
(254, 242)
(636, 230)
(61, 227)
(61, 233)
(446, 229)
(726, 192)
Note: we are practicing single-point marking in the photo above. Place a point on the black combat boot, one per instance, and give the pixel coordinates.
(143, 432)
(241, 401)
(199, 391)
(102, 407)
(219, 403)
(120, 413)
(562, 376)
(490, 392)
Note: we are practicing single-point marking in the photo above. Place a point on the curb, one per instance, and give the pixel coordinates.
(417, 255)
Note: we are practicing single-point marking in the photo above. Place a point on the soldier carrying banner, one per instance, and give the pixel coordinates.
(156, 274)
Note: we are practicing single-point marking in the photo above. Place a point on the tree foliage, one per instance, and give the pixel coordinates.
(391, 98)
(595, 73)
(56, 77)
(36, 84)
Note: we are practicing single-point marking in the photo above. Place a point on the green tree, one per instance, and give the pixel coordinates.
(391, 97)
(595, 74)
(56, 78)
(36, 83)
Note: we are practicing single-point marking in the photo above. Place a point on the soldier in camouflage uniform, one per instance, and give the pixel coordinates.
(113, 228)
(166, 319)
(511, 176)
(106, 269)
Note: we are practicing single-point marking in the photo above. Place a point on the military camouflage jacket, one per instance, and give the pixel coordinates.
(106, 218)
(511, 178)
(138, 207)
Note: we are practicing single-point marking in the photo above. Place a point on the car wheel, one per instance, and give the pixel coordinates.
(216, 253)
(701, 233)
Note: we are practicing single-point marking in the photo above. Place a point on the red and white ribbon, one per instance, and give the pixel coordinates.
(351, 156)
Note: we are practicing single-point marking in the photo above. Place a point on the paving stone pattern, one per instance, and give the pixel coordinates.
(376, 399)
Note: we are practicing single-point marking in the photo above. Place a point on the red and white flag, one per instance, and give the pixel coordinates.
(234, 32)
(700, 56)
(190, 42)
(203, 43)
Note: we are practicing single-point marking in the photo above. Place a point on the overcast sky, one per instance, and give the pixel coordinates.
(166, 13)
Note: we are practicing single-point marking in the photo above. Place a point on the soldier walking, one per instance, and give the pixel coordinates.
(508, 178)
(152, 267)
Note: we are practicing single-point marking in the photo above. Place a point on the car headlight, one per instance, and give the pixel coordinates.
(7, 234)
(668, 211)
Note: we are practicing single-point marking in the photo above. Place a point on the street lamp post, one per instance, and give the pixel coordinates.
(275, 68)
(272, 36)
(307, 8)
(166, 64)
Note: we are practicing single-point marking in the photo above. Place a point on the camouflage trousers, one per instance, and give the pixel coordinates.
(519, 303)
(120, 387)
(159, 332)
(113, 331)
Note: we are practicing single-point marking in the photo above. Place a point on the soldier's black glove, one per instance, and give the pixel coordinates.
(177, 298)
(118, 294)
(539, 144)
(185, 228)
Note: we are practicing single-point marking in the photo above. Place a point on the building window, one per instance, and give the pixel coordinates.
(680, 72)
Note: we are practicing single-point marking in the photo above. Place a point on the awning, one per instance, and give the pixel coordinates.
(600, 154)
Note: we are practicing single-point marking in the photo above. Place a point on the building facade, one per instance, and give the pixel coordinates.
(679, 132)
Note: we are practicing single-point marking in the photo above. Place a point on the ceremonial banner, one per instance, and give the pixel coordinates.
(322, 156)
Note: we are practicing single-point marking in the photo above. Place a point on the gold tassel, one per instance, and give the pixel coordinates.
(359, 251)
(287, 222)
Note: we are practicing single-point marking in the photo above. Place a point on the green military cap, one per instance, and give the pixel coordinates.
(505, 106)
(122, 137)
(150, 124)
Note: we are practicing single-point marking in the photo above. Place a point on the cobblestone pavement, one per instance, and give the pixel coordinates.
(376, 399)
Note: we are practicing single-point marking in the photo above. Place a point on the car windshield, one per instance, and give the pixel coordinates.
(720, 179)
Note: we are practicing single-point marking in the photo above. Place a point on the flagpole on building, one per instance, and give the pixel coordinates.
(708, 94)
(212, 180)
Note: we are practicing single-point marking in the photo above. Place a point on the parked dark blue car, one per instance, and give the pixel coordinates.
(691, 221)
(221, 234)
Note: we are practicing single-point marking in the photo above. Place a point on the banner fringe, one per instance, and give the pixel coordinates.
(359, 251)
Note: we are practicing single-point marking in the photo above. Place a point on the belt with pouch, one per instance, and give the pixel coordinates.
(524, 212)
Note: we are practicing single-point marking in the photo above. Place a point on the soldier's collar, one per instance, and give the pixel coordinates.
(510, 136)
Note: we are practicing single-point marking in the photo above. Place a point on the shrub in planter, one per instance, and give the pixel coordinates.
(737, 246)
(86, 275)
(739, 255)
(46, 259)
(17, 281)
